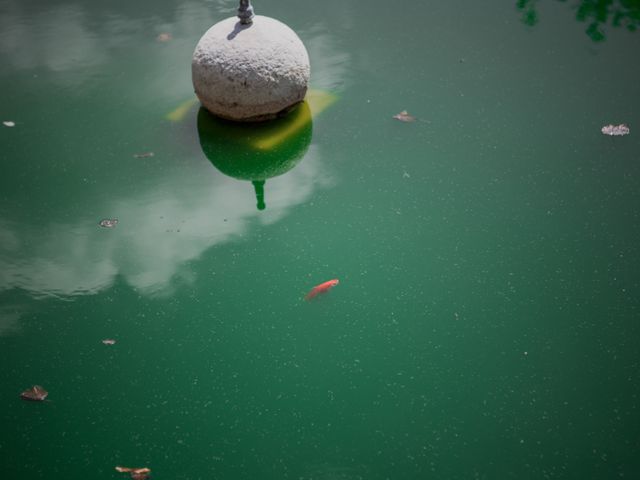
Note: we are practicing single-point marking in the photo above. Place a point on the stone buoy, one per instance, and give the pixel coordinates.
(250, 67)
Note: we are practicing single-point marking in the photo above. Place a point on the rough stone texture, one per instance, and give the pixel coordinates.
(250, 72)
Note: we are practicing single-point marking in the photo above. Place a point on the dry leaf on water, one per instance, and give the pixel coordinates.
(136, 473)
(34, 394)
(404, 116)
(108, 222)
(617, 130)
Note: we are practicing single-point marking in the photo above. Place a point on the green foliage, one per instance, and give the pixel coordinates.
(597, 13)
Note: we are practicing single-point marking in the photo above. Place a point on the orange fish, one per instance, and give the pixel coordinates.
(322, 288)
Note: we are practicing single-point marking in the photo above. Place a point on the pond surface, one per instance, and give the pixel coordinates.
(487, 319)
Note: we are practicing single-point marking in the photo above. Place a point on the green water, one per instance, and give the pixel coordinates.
(487, 317)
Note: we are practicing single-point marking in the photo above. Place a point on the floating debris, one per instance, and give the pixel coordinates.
(108, 222)
(164, 37)
(34, 394)
(9, 123)
(404, 116)
(322, 288)
(136, 473)
(109, 341)
(143, 155)
(621, 129)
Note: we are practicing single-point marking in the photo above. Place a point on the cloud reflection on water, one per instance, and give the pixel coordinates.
(159, 229)
(9, 319)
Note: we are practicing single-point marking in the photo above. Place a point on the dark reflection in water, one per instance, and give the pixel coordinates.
(256, 152)
(596, 13)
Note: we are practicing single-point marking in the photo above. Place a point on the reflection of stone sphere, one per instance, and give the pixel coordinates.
(256, 152)
(235, 149)
(250, 72)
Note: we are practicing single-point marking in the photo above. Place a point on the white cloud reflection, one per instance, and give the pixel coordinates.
(9, 319)
(158, 231)
(78, 38)
(66, 38)
(57, 38)
(329, 62)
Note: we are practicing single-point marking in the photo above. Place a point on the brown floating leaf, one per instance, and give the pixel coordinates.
(136, 473)
(143, 155)
(35, 394)
(621, 129)
(140, 474)
(404, 116)
(108, 222)
(108, 341)
(164, 37)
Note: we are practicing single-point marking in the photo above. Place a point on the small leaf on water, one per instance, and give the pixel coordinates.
(136, 473)
(35, 394)
(108, 222)
(164, 37)
(9, 123)
(404, 116)
(616, 130)
(143, 155)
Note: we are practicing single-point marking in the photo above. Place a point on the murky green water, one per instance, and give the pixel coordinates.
(487, 318)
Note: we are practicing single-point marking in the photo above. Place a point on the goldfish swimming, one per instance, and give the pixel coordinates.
(322, 288)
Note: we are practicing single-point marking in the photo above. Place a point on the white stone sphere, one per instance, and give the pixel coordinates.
(250, 72)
